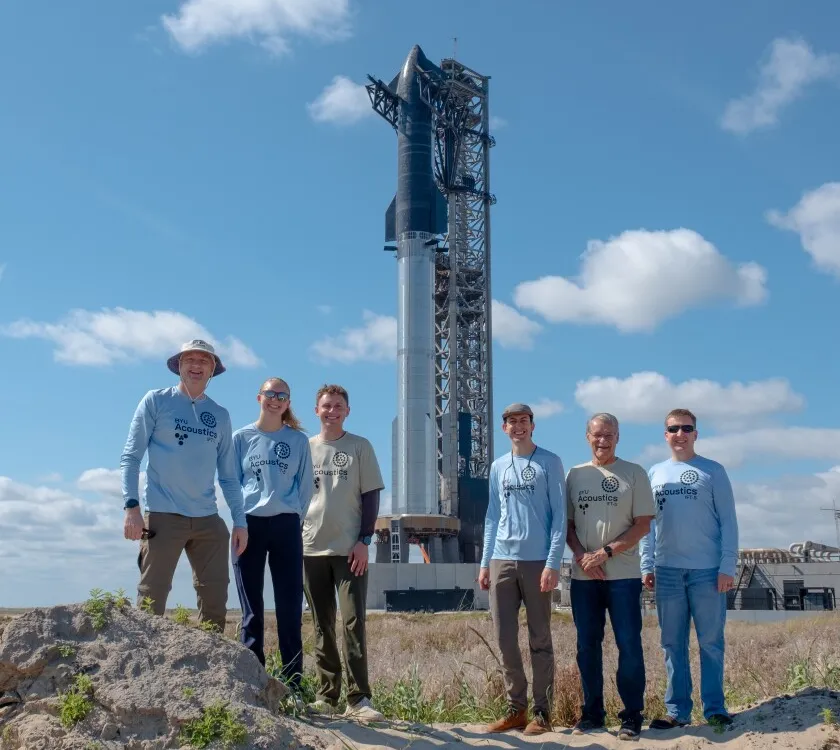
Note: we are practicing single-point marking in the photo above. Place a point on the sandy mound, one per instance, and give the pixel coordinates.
(800, 721)
(110, 676)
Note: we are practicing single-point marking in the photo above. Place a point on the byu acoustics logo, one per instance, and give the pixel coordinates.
(282, 450)
(341, 459)
(207, 419)
(528, 473)
(689, 477)
(609, 484)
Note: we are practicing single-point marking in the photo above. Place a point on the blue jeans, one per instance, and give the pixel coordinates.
(591, 600)
(683, 595)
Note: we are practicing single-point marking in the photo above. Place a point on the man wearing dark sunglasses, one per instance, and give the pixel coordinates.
(689, 559)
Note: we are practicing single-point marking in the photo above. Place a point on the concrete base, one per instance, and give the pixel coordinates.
(404, 576)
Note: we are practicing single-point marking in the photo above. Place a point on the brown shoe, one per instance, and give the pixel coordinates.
(513, 719)
(540, 724)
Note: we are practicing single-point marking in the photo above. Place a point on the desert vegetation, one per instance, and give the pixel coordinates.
(445, 667)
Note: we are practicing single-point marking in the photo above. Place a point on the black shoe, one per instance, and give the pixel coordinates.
(587, 725)
(630, 728)
(669, 722)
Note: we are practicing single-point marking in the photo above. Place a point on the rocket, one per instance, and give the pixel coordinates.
(416, 215)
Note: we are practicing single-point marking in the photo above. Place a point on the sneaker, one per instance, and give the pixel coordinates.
(515, 718)
(540, 724)
(587, 725)
(322, 707)
(669, 722)
(630, 728)
(363, 711)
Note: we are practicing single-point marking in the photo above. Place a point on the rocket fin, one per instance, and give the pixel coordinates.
(391, 221)
(393, 84)
(441, 211)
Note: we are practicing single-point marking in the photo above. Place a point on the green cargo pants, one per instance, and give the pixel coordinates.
(322, 576)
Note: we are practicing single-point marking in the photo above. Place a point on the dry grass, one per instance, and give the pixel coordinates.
(445, 667)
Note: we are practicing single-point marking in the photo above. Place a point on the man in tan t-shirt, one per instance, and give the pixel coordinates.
(336, 533)
(610, 506)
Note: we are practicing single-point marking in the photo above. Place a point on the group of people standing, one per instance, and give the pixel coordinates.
(672, 529)
(306, 507)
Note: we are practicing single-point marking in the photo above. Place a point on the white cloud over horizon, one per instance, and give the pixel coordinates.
(114, 336)
(374, 341)
(787, 510)
(546, 407)
(272, 23)
(646, 397)
(511, 328)
(816, 219)
(790, 67)
(757, 446)
(628, 282)
(342, 102)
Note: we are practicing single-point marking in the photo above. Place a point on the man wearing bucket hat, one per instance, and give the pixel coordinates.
(188, 437)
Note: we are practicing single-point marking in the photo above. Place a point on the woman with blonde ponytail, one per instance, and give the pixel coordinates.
(275, 471)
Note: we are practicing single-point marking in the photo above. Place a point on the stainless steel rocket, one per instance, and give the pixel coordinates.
(416, 215)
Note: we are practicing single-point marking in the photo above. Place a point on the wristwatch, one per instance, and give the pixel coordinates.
(130, 504)
(608, 550)
(366, 539)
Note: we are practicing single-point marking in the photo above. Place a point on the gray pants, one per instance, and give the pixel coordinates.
(511, 584)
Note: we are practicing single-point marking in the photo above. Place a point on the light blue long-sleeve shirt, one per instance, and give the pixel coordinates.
(275, 470)
(696, 525)
(187, 444)
(526, 511)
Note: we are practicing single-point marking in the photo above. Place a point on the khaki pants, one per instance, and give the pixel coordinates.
(206, 541)
(322, 576)
(511, 584)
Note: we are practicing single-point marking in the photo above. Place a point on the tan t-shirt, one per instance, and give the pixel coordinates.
(603, 501)
(344, 470)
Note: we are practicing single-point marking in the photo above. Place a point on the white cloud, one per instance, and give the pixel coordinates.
(511, 328)
(342, 102)
(2, 270)
(816, 218)
(375, 341)
(640, 278)
(52, 478)
(199, 23)
(323, 309)
(646, 397)
(790, 67)
(104, 481)
(497, 123)
(763, 445)
(114, 336)
(545, 408)
(787, 510)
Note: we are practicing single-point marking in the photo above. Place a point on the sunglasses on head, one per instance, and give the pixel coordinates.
(279, 395)
(675, 428)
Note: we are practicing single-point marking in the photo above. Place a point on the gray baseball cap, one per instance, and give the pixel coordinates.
(517, 408)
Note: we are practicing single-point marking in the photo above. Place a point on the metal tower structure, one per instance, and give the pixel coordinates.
(457, 98)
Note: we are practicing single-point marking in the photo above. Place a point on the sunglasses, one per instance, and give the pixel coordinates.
(147, 534)
(675, 428)
(279, 395)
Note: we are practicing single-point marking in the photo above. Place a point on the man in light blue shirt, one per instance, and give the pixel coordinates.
(524, 537)
(188, 437)
(689, 557)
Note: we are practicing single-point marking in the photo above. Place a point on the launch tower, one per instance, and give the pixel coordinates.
(440, 221)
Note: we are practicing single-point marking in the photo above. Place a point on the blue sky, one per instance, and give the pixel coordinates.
(172, 168)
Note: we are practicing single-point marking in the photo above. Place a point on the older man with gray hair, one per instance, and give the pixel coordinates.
(610, 507)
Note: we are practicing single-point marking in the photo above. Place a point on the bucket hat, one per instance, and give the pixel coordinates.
(196, 345)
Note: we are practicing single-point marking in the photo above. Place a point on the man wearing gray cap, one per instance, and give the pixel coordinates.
(524, 537)
(188, 437)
